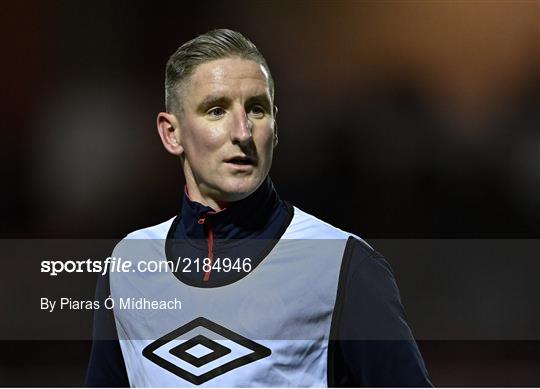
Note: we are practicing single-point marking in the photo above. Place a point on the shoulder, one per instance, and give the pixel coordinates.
(159, 231)
(307, 226)
(149, 236)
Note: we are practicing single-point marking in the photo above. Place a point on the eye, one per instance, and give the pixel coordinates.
(216, 112)
(257, 111)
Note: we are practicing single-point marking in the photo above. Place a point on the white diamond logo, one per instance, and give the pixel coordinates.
(199, 351)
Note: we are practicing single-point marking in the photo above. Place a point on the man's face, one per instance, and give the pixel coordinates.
(226, 130)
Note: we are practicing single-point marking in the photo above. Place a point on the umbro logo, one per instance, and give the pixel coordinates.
(202, 350)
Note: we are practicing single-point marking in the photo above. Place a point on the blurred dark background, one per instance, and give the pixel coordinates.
(397, 119)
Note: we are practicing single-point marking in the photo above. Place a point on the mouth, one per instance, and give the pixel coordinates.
(242, 160)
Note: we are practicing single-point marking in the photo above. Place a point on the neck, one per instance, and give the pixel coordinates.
(193, 193)
(239, 219)
(206, 201)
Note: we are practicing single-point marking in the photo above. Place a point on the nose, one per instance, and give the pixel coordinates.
(242, 128)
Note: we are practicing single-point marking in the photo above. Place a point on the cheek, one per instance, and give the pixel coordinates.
(202, 138)
(266, 138)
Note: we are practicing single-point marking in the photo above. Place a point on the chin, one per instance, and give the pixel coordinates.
(235, 191)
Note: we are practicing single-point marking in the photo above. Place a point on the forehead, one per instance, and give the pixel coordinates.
(234, 77)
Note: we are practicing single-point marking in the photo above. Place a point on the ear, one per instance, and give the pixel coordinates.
(169, 132)
(275, 126)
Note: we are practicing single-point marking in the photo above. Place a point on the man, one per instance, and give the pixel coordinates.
(298, 303)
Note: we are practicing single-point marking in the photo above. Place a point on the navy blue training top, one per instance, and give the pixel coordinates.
(368, 302)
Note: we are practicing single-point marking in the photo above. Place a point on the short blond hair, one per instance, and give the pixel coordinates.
(215, 44)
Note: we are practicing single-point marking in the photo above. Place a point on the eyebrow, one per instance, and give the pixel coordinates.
(213, 100)
(261, 99)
